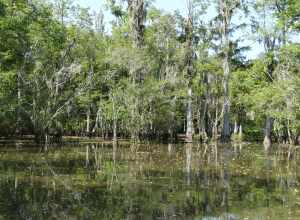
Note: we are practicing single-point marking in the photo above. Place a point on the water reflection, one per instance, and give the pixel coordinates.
(122, 181)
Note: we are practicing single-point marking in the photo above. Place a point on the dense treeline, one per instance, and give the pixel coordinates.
(153, 74)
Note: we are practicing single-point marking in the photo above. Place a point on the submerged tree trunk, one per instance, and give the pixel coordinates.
(268, 132)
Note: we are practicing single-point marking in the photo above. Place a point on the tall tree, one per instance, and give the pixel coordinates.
(226, 10)
(189, 56)
(137, 16)
(272, 35)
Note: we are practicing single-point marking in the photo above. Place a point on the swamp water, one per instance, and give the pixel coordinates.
(163, 182)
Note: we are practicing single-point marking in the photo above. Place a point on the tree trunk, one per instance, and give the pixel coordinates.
(204, 125)
(226, 122)
(136, 19)
(215, 126)
(236, 128)
(97, 121)
(137, 15)
(226, 11)
(241, 133)
(199, 121)
(268, 132)
(189, 56)
(189, 117)
(88, 117)
(115, 138)
(115, 118)
(18, 130)
(47, 141)
(172, 125)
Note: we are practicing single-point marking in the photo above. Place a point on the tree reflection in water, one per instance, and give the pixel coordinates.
(191, 181)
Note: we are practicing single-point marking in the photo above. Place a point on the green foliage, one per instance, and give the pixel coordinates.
(61, 74)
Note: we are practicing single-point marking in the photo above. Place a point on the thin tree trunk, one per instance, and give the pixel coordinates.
(241, 133)
(236, 128)
(268, 132)
(18, 130)
(115, 138)
(189, 118)
(215, 126)
(115, 118)
(115, 145)
(88, 117)
(203, 122)
(47, 141)
(97, 121)
(199, 122)
(173, 117)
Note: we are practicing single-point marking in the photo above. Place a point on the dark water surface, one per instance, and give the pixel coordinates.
(163, 182)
